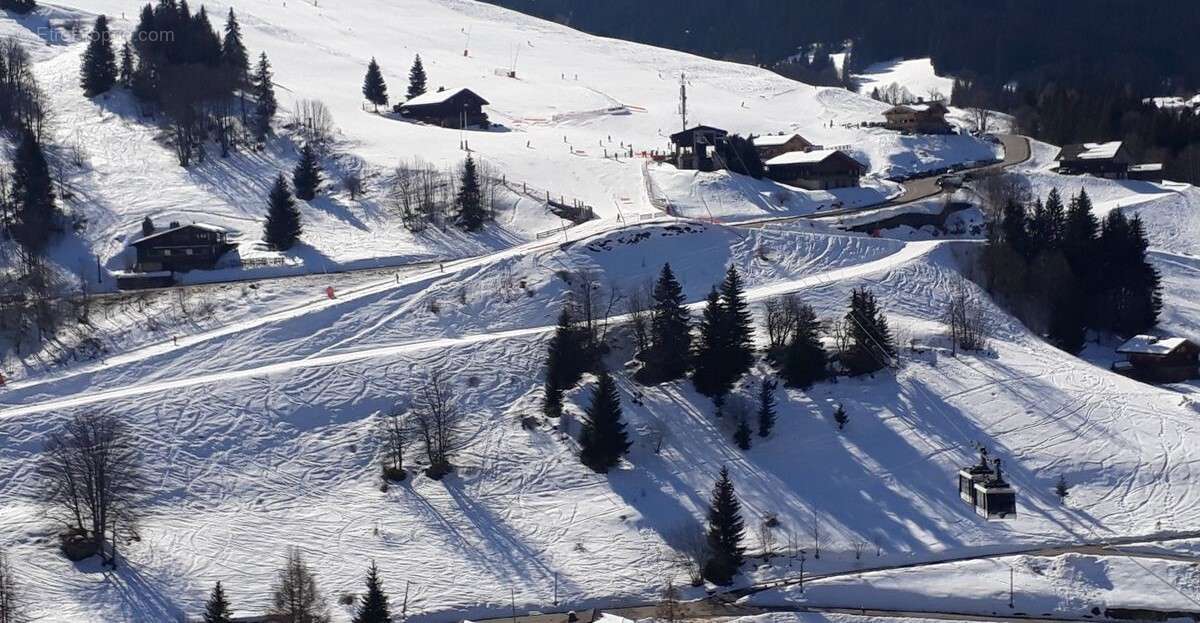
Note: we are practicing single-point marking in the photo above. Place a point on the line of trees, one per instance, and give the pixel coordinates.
(421, 194)
(177, 62)
(1064, 272)
(375, 88)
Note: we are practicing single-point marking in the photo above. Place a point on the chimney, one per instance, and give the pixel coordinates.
(174, 224)
(572, 617)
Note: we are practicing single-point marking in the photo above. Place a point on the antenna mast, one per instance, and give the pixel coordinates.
(683, 98)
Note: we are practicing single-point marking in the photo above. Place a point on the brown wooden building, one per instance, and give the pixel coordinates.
(456, 108)
(1110, 160)
(919, 118)
(772, 145)
(697, 148)
(180, 248)
(1159, 360)
(822, 169)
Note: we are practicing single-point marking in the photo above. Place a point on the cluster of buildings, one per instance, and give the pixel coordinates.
(795, 161)
(1108, 160)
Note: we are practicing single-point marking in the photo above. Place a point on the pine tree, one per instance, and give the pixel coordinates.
(373, 607)
(839, 416)
(32, 195)
(1067, 328)
(416, 79)
(1061, 489)
(739, 326)
(871, 345)
(307, 176)
(235, 60)
(1014, 229)
(98, 72)
(709, 367)
(766, 407)
(374, 87)
(670, 331)
(217, 608)
(725, 532)
(804, 359)
(125, 76)
(264, 96)
(470, 199)
(742, 434)
(565, 362)
(283, 228)
(603, 441)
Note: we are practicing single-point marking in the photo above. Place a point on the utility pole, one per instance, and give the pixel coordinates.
(1010, 587)
(556, 588)
(801, 572)
(683, 99)
(513, 595)
(404, 608)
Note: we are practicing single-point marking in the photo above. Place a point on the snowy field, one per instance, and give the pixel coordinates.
(261, 431)
(917, 75)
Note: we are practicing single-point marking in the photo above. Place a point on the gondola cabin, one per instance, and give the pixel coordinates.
(995, 498)
(968, 477)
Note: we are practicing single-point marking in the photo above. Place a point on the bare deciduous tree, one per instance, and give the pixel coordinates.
(781, 315)
(816, 536)
(997, 188)
(314, 121)
(92, 478)
(10, 597)
(637, 305)
(668, 606)
(766, 539)
(394, 439)
(435, 420)
(295, 596)
(965, 320)
(691, 551)
(981, 118)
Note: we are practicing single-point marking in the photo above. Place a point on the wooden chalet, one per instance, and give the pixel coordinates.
(180, 248)
(772, 145)
(821, 169)
(456, 108)
(1109, 160)
(697, 148)
(1147, 172)
(919, 118)
(1159, 360)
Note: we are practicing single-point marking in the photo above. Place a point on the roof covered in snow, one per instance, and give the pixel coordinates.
(1151, 345)
(919, 107)
(776, 140)
(441, 97)
(1149, 166)
(162, 232)
(1090, 151)
(807, 157)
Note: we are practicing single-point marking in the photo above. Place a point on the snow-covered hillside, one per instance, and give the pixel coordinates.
(575, 99)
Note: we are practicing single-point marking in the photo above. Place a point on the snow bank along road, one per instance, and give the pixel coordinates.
(42, 388)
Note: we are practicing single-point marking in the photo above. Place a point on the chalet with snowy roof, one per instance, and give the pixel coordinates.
(821, 169)
(180, 248)
(1109, 160)
(454, 108)
(919, 118)
(1147, 172)
(1159, 359)
(697, 148)
(772, 145)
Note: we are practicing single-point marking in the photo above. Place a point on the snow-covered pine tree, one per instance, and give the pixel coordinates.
(669, 354)
(766, 407)
(283, 227)
(216, 610)
(603, 441)
(32, 195)
(742, 434)
(416, 79)
(306, 178)
(471, 214)
(739, 330)
(126, 72)
(374, 87)
(373, 605)
(98, 72)
(804, 359)
(265, 105)
(709, 365)
(871, 345)
(725, 532)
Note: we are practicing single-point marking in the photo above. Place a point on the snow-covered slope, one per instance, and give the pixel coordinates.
(575, 99)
